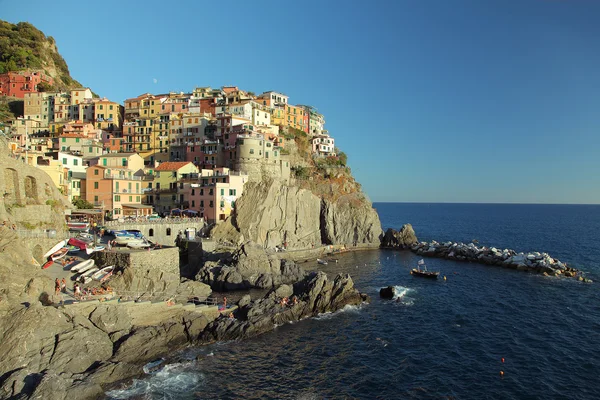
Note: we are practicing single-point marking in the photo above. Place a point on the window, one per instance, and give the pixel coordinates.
(95, 185)
(211, 204)
(151, 232)
(117, 197)
(64, 140)
(95, 199)
(201, 203)
(75, 162)
(168, 231)
(137, 199)
(251, 151)
(95, 172)
(64, 161)
(222, 192)
(130, 199)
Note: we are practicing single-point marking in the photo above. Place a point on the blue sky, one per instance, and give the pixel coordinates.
(433, 101)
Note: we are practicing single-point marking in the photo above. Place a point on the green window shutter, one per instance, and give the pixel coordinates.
(222, 192)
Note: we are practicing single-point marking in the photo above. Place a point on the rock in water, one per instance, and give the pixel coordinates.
(387, 292)
(402, 239)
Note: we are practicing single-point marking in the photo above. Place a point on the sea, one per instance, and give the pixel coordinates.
(483, 333)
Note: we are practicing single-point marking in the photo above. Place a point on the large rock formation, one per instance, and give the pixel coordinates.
(316, 294)
(271, 213)
(250, 267)
(402, 239)
(350, 220)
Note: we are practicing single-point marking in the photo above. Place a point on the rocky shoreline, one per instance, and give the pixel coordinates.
(535, 262)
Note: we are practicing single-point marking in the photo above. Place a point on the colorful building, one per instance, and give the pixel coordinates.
(168, 178)
(215, 193)
(18, 83)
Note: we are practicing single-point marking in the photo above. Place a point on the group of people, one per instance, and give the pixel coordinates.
(60, 286)
(85, 293)
(287, 302)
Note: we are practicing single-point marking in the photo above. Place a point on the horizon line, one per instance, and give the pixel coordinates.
(497, 203)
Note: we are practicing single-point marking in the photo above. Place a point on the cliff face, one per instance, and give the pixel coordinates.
(271, 213)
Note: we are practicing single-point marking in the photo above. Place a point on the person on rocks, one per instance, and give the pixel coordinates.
(56, 286)
(77, 290)
(63, 285)
(224, 303)
(295, 301)
(231, 316)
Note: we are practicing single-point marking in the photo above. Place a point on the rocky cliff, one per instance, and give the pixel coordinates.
(273, 213)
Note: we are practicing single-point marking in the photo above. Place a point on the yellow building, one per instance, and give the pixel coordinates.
(107, 115)
(168, 177)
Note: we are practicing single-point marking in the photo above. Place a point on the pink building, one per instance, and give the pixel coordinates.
(215, 194)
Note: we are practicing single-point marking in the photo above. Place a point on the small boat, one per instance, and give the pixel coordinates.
(86, 277)
(47, 264)
(73, 249)
(56, 247)
(90, 250)
(103, 274)
(321, 261)
(79, 243)
(126, 239)
(423, 272)
(59, 254)
(78, 226)
(83, 266)
(135, 244)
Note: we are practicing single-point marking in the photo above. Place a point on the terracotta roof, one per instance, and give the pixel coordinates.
(172, 165)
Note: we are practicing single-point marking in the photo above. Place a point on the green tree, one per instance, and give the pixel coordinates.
(82, 204)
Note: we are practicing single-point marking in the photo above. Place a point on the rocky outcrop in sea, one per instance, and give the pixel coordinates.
(402, 239)
(535, 261)
(315, 294)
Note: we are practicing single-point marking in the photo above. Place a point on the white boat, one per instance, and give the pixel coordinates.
(90, 250)
(103, 274)
(321, 261)
(87, 275)
(56, 247)
(128, 239)
(143, 244)
(59, 254)
(83, 266)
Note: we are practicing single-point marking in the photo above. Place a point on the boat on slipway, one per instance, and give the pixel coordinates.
(55, 248)
(83, 266)
(103, 274)
(423, 273)
(86, 277)
(59, 254)
(321, 261)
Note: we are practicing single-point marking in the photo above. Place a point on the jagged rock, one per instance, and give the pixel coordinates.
(245, 300)
(387, 292)
(76, 350)
(317, 294)
(350, 220)
(111, 319)
(403, 239)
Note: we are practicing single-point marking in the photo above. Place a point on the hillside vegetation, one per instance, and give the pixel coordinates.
(24, 47)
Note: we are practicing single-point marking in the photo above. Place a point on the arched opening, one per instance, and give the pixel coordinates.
(168, 231)
(151, 232)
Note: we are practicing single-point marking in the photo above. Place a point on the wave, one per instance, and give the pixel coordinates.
(346, 309)
(172, 381)
(400, 295)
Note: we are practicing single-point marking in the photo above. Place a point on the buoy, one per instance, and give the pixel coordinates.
(501, 373)
(444, 277)
(502, 359)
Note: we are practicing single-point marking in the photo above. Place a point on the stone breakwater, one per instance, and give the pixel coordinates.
(535, 261)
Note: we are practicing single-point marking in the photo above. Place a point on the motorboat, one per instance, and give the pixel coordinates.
(422, 272)
(82, 244)
(78, 226)
(321, 261)
(73, 249)
(134, 244)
